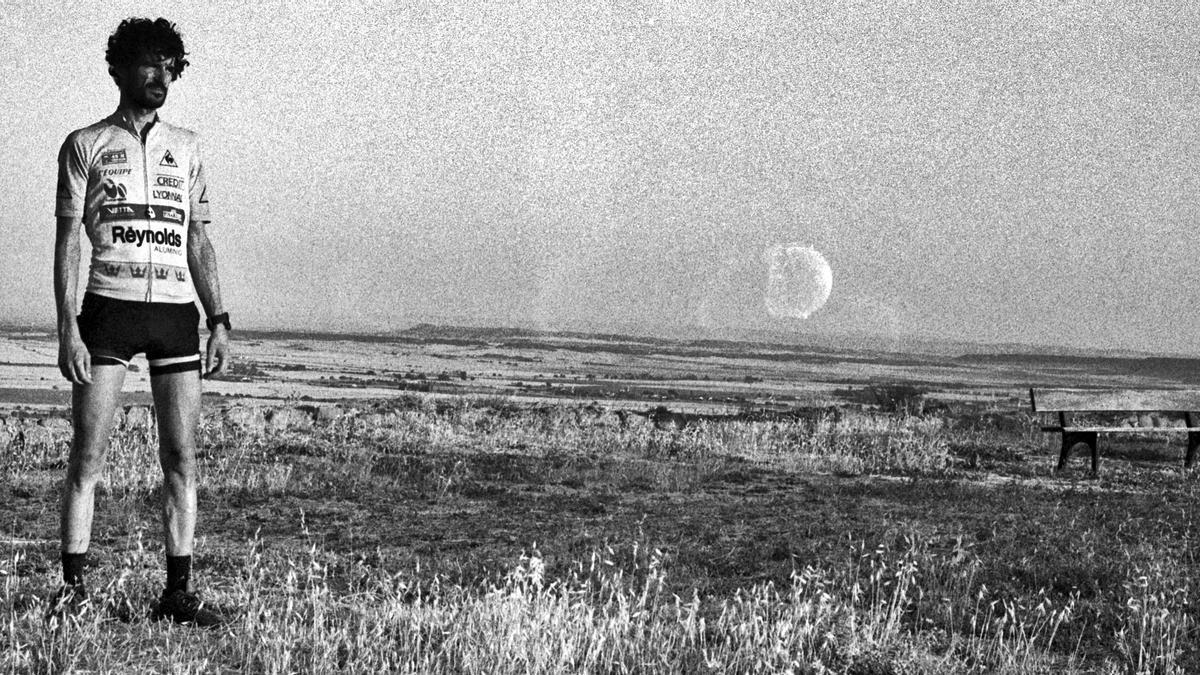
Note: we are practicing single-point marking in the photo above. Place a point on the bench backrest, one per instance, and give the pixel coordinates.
(1097, 400)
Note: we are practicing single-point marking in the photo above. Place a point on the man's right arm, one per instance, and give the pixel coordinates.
(73, 358)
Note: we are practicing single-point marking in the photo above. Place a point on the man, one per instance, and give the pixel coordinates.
(137, 186)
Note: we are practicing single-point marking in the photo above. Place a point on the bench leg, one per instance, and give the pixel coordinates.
(1193, 443)
(1072, 438)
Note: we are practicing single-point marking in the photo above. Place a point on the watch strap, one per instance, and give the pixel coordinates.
(221, 319)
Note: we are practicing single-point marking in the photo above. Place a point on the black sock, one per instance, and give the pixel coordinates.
(179, 572)
(73, 564)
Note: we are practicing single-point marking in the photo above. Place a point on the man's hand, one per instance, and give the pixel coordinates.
(218, 357)
(74, 361)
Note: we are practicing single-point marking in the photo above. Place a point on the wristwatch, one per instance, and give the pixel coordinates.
(221, 319)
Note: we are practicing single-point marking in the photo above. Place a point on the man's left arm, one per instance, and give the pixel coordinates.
(202, 261)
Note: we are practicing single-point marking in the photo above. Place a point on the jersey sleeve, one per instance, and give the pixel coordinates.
(198, 190)
(72, 179)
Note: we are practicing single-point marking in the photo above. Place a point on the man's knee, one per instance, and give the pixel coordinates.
(86, 465)
(178, 459)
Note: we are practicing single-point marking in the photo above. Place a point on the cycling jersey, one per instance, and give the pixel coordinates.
(136, 199)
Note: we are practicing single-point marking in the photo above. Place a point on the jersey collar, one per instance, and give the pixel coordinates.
(118, 118)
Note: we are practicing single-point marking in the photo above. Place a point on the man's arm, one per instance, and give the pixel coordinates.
(202, 261)
(74, 361)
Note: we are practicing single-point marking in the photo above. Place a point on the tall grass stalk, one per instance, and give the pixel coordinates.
(610, 615)
(1157, 620)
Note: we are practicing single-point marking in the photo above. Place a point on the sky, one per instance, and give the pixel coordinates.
(1011, 171)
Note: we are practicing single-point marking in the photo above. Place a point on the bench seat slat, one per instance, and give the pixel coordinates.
(1127, 400)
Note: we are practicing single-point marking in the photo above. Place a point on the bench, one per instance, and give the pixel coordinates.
(1064, 402)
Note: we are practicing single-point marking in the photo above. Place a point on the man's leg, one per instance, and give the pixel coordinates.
(177, 408)
(92, 409)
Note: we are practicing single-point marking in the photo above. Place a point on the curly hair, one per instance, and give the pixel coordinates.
(137, 36)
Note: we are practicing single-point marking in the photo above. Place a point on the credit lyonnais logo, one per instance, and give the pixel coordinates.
(113, 157)
(124, 211)
(168, 181)
(168, 194)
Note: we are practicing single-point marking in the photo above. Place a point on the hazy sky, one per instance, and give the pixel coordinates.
(1009, 171)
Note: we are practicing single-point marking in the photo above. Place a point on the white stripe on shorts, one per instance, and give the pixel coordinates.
(173, 361)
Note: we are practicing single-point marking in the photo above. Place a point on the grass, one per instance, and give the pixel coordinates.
(487, 536)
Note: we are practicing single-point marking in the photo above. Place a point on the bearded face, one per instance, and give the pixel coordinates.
(146, 83)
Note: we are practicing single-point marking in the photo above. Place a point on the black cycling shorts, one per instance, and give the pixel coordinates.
(115, 330)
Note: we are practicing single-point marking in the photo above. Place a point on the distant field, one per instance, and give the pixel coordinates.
(701, 375)
(493, 503)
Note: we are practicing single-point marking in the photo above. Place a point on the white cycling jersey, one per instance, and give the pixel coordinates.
(136, 198)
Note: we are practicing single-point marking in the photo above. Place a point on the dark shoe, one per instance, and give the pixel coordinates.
(186, 609)
(69, 601)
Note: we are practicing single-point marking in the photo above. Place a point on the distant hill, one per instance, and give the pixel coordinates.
(1159, 367)
(758, 344)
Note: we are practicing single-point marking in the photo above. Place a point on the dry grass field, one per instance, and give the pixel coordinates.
(487, 503)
